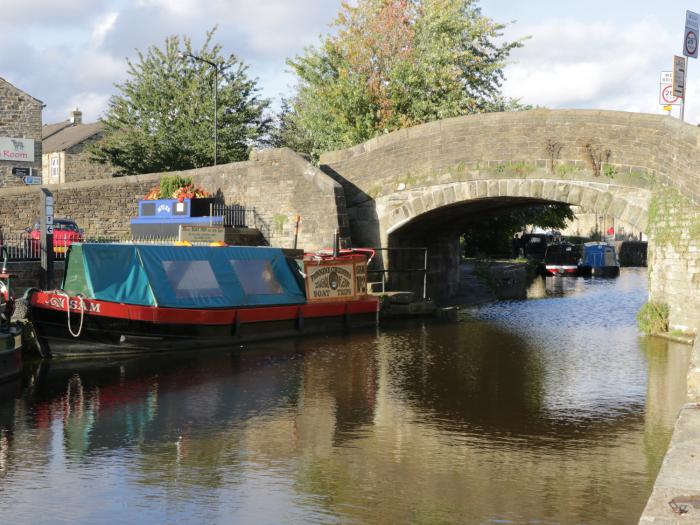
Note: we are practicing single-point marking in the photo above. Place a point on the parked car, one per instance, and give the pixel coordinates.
(532, 245)
(65, 233)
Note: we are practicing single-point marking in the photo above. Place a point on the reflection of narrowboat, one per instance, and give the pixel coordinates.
(562, 258)
(600, 259)
(10, 352)
(121, 298)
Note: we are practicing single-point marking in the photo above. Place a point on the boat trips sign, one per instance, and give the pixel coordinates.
(18, 150)
(335, 280)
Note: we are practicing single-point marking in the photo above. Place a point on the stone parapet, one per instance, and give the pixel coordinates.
(277, 183)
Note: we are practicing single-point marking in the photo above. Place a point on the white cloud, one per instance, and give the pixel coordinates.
(90, 104)
(103, 26)
(49, 12)
(574, 64)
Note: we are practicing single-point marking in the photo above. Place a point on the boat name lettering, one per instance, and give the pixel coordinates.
(60, 302)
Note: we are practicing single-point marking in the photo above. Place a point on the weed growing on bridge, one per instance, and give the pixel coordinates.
(652, 318)
(517, 168)
(279, 223)
(670, 213)
(644, 175)
(609, 171)
(566, 169)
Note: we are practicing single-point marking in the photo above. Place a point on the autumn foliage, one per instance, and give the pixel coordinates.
(392, 64)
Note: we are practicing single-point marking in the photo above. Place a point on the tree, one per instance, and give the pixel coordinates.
(394, 64)
(493, 234)
(163, 118)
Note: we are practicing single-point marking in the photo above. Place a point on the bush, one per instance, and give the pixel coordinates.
(652, 318)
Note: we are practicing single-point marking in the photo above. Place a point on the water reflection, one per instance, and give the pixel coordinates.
(552, 411)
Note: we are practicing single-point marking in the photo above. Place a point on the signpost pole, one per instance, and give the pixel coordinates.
(685, 91)
(690, 49)
(46, 225)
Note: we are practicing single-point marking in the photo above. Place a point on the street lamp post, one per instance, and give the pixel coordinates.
(216, 97)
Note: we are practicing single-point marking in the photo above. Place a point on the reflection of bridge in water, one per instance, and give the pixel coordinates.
(385, 430)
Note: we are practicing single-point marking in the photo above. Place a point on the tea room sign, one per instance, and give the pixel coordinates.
(17, 150)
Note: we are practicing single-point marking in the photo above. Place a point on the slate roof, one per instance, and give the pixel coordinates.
(69, 136)
(50, 129)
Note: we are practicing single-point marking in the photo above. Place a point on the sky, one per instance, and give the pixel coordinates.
(593, 54)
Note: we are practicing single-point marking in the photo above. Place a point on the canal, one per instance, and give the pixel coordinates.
(550, 410)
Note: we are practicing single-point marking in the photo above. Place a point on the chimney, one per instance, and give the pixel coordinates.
(76, 117)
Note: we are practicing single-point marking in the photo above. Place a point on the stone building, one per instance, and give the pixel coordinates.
(20, 135)
(66, 156)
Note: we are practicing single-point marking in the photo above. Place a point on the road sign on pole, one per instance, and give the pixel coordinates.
(690, 40)
(666, 96)
(678, 76)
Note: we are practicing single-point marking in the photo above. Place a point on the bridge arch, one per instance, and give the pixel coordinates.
(638, 168)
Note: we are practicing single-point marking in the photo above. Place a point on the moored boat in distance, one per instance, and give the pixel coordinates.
(10, 334)
(562, 258)
(600, 259)
(128, 298)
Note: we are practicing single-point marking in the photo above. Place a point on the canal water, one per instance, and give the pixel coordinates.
(550, 410)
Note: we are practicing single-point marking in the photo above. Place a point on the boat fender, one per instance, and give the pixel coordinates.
(9, 301)
(237, 323)
(300, 320)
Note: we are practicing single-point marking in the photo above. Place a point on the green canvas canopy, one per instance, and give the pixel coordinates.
(182, 277)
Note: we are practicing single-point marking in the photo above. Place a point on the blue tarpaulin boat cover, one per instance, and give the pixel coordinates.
(182, 277)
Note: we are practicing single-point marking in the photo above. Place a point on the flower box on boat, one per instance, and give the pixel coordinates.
(119, 298)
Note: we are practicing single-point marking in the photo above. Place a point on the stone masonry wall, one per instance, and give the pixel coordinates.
(674, 257)
(622, 150)
(278, 183)
(78, 165)
(20, 117)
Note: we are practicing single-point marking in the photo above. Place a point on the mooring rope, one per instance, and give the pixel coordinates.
(82, 312)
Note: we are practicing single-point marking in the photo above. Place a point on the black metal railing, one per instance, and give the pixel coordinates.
(387, 276)
(234, 215)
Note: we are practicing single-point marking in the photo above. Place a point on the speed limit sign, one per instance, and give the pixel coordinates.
(666, 96)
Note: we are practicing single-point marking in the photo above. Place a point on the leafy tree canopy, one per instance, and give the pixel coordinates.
(392, 64)
(163, 118)
(494, 233)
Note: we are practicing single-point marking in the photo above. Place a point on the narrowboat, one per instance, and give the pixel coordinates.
(562, 258)
(10, 333)
(600, 259)
(130, 298)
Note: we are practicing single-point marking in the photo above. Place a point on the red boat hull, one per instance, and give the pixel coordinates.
(117, 328)
(561, 270)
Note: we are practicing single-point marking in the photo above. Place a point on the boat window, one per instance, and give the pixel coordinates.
(257, 276)
(192, 279)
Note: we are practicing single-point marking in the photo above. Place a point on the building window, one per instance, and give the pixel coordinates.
(53, 176)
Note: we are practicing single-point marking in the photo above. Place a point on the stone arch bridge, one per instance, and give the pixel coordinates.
(419, 186)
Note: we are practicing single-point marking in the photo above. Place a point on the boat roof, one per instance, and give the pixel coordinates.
(182, 277)
(598, 244)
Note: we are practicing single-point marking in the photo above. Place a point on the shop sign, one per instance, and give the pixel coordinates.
(206, 234)
(17, 150)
